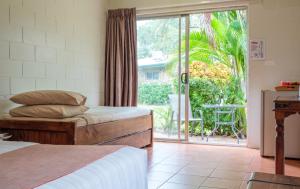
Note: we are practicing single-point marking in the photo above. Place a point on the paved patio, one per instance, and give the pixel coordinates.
(213, 140)
(218, 140)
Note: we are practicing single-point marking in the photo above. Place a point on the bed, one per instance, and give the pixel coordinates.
(102, 167)
(131, 126)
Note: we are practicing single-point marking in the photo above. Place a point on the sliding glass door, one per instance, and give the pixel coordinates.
(192, 73)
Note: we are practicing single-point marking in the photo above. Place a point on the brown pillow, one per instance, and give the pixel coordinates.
(49, 97)
(48, 111)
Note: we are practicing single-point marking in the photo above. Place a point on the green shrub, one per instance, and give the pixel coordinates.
(211, 91)
(201, 91)
(204, 91)
(163, 119)
(154, 93)
(233, 94)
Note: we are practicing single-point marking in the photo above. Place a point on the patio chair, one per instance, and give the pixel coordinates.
(192, 118)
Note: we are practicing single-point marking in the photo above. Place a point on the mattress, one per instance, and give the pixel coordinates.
(94, 115)
(125, 168)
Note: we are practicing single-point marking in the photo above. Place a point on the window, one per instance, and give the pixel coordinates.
(152, 75)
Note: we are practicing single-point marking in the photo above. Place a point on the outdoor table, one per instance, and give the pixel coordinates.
(230, 110)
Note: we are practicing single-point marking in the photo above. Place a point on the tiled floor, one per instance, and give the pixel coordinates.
(192, 166)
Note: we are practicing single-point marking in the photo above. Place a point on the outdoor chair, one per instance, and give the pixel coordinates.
(192, 118)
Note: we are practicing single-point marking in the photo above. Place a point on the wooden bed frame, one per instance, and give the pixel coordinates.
(137, 132)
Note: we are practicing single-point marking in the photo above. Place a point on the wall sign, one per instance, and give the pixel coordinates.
(257, 49)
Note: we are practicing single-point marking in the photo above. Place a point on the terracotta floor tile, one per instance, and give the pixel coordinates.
(225, 174)
(239, 160)
(177, 159)
(187, 179)
(233, 167)
(222, 183)
(174, 165)
(202, 158)
(159, 176)
(203, 165)
(191, 170)
(167, 168)
(177, 186)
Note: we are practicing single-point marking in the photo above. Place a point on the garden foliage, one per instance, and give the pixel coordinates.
(218, 70)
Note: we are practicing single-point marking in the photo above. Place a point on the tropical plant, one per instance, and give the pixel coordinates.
(211, 91)
(226, 44)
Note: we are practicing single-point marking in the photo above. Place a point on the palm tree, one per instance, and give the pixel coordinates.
(222, 40)
(226, 45)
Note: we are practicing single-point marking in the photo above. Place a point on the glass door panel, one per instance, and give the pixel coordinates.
(217, 67)
(159, 73)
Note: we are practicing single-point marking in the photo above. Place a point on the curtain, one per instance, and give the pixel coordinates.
(121, 58)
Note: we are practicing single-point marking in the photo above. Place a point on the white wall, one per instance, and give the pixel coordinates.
(275, 21)
(52, 44)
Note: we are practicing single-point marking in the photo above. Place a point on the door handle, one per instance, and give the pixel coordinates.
(184, 78)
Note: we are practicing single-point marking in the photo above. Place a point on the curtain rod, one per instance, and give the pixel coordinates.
(193, 7)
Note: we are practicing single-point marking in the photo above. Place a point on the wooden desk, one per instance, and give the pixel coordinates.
(284, 107)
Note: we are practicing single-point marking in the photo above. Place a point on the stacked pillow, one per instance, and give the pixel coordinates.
(49, 104)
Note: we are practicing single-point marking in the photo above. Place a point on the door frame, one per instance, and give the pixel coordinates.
(187, 67)
(186, 14)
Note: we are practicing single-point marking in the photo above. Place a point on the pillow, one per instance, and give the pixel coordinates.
(49, 97)
(48, 111)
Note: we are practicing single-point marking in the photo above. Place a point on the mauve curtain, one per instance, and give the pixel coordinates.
(121, 58)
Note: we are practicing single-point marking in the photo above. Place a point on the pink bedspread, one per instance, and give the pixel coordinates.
(36, 165)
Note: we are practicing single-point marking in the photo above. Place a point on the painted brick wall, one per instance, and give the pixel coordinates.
(52, 44)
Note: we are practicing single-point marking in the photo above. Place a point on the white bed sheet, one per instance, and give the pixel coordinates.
(7, 146)
(95, 115)
(103, 114)
(123, 169)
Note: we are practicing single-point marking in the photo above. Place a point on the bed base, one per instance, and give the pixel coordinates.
(137, 132)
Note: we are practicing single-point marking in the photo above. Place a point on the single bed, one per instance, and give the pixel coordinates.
(131, 126)
(29, 165)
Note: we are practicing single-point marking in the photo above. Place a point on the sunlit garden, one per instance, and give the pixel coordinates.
(217, 70)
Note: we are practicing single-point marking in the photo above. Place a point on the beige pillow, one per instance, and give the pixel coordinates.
(48, 111)
(49, 97)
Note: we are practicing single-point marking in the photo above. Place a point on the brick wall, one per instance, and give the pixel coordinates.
(52, 44)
